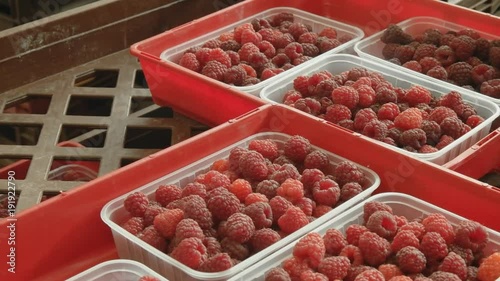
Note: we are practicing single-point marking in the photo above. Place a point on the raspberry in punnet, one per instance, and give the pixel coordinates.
(134, 225)
(187, 228)
(411, 260)
(166, 222)
(239, 227)
(438, 223)
(390, 271)
(382, 223)
(293, 219)
(454, 263)
(297, 148)
(310, 249)
(254, 198)
(260, 213)
(285, 172)
(371, 207)
(136, 204)
(167, 193)
(279, 205)
(277, 274)
(350, 190)
(362, 117)
(190, 252)
(264, 238)
(334, 267)
(472, 235)
(370, 275)
(253, 166)
(216, 263)
(295, 267)
(345, 95)
(375, 249)
(326, 192)
(334, 241)
(151, 236)
(489, 269)
(418, 94)
(408, 119)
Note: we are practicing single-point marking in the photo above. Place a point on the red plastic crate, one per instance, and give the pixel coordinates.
(202, 98)
(480, 159)
(65, 235)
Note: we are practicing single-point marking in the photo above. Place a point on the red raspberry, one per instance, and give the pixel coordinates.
(414, 138)
(335, 268)
(438, 72)
(151, 236)
(316, 160)
(136, 204)
(296, 29)
(251, 73)
(308, 105)
(223, 205)
(294, 50)
(306, 205)
(253, 166)
(413, 65)
(285, 172)
(375, 129)
(383, 223)
(350, 190)
(257, 60)
(246, 50)
(472, 273)
(440, 113)
(310, 249)
(389, 50)
(310, 177)
(293, 219)
(474, 120)
(408, 119)
(300, 60)
(466, 254)
(236, 250)
(267, 49)
(367, 95)
(489, 269)
(347, 171)
(416, 227)
(235, 57)
(460, 73)
(427, 149)
(432, 131)
(326, 192)
(239, 227)
(337, 112)
(451, 100)
(326, 44)
(291, 189)
(444, 141)
(310, 50)
(371, 207)
(390, 271)
(277, 274)
(308, 38)
(394, 34)
(464, 47)
(254, 198)
(432, 36)
(282, 40)
(235, 75)
(191, 252)
(370, 275)
(385, 95)
(268, 188)
(356, 73)
(445, 55)
(295, 267)
(400, 278)
(321, 210)
(444, 276)
(212, 245)
(481, 73)
(186, 228)
(167, 193)
(212, 44)
(411, 260)
(260, 213)
(325, 88)
(328, 32)
(213, 179)
(471, 235)
(348, 124)
(214, 70)
(230, 45)
(301, 84)
(241, 188)
(250, 36)
(151, 212)
(494, 56)
(424, 50)
(375, 249)
(388, 111)
(452, 126)
(418, 94)
(221, 56)
(279, 205)
(312, 276)
(454, 263)
(427, 63)
(238, 30)
(491, 88)
(362, 117)
(334, 241)
(270, 72)
(404, 53)
(263, 238)
(216, 263)
(296, 148)
(134, 225)
(220, 165)
(189, 61)
(201, 215)
(438, 223)
(353, 253)
(354, 271)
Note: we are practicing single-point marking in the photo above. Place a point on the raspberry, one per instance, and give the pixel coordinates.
(491, 88)
(348, 124)
(151, 236)
(301, 84)
(293, 219)
(321, 210)
(347, 171)
(294, 50)
(427, 63)
(404, 53)
(385, 95)
(466, 253)
(223, 205)
(345, 95)
(367, 95)
(337, 112)
(308, 105)
(326, 192)
(325, 88)
(238, 30)
(432, 36)
(202, 55)
(136, 204)
(494, 56)
(310, 177)
(390, 271)
(230, 45)
(216, 263)
(438, 223)
(335, 268)
(310, 249)
(444, 276)
(235, 57)
(472, 273)
(482, 49)
(418, 94)
(353, 253)
(151, 212)
(251, 73)
(394, 34)
(250, 36)
(246, 50)
(212, 245)
(354, 271)
(257, 60)
(310, 50)
(460, 73)
(414, 138)
(277, 274)
(444, 141)
(350, 190)
(312, 276)
(296, 148)
(221, 56)
(481, 73)
(187, 228)
(362, 117)
(383, 223)
(388, 111)
(316, 160)
(489, 269)
(454, 263)
(452, 126)
(375, 249)
(409, 119)
(283, 40)
(213, 179)
(464, 46)
(239, 227)
(427, 149)
(413, 65)
(440, 113)
(375, 129)
(214, 70)
(200, 214)
(279, 206)
(212, 44)
(291, 189)
(270, 72)
(356, 73)
(471, 235)
(400, 278)
(445, 55)
(260, 213)
(370, 275)
(432, 131)
(389, 50)
(334, 241)
(285, 172)
(474, 120)
(134, 225)
(423, 51)
(263, 238)
(241, 188)
(167, 193)
(308, 38)
(234, 249)
(371, 207)
(291, 96)
(191, 252)
(411, 260)
(296, 29)
(235, 75)
(326, 44)
(295, 267)
(438, 72)
(189, 61)
(268, 188)
(253, 166)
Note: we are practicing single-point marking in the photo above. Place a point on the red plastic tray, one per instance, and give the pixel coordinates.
(480, 159)
(65, 235)
(202, 98)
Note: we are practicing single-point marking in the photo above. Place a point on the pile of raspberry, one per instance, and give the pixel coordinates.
(365, 102)
(462, 58)
(259, 50)
(243, 204)
(388, 247)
